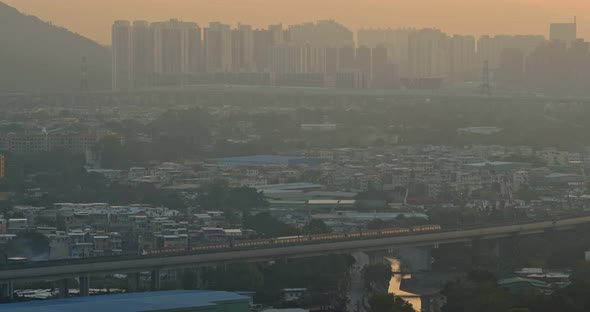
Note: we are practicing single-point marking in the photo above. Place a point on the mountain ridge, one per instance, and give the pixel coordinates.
(39, 56)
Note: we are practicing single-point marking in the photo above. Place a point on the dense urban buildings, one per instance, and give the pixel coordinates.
(295, 168)
(325, 54)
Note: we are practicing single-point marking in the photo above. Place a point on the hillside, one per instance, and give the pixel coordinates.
(38, 56)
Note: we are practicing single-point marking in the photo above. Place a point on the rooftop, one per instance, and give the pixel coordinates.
(515, 280)
(133, 302)
(265, 160)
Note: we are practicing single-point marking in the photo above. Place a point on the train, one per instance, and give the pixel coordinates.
(293, 240)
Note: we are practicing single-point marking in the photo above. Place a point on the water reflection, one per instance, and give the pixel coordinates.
(395, 284)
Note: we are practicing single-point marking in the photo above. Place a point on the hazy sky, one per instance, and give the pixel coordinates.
(93, 18)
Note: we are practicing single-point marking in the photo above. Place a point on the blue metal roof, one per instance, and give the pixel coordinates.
(258, 159)
(265, 160)
(132, 302)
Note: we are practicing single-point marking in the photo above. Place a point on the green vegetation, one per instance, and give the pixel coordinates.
(555, 249)
(480, 292)
(325, 278)
(41, 56)
(316, 227)
(267, 226)
(31, 245)
(377, 277)
(388, 303)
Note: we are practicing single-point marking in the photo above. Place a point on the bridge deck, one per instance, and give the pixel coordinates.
(53, 271)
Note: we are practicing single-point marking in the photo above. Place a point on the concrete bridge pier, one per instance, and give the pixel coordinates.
(201, 278)
(133, 282)
(63, 287)
(84, 286)
(156, 281)
(7, 291)
(413, 258)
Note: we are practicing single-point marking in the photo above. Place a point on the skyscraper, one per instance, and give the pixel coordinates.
(177, 48)
(548, 69)
(288, 58)
(564, 32)
(346, 61)
(510, 74)
(160, 53)
(277, 34)
(428, 54)
(218, 48)
(579, 56)
(383, 71)
(142, 54)
(490, 48)
(322, 33)
(243, 48)
(262, 42)
(363, 60)
(397, 41)
(462, 58)
(122, 59)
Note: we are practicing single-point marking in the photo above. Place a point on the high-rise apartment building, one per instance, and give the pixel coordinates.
(177, 48)
(396, 39)
(346, 58)
(490, 48)
(510, 73)
(428, 54)
(363, 60)
(579, 57)
(288, 58)
(383, 71)
(564, 32)
(548, 68)
(262, 43)
(218, 48)
(146, 54)
(277, 34)
(462, 58)
(142, 54)
(243, 49)
(322, 33)
(122, 59)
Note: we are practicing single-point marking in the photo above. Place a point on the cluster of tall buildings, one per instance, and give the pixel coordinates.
(325, 54)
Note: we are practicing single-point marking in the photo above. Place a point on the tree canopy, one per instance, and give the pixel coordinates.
(388, 303)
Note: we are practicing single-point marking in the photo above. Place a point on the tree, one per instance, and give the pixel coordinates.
(236, 277)
(389, 303)
(316, 227)
(478, 292)
(376, 224)
(267, 226)
(234, 202)
(111, 152)
(581, 273)
(31, 245)
(377, 277)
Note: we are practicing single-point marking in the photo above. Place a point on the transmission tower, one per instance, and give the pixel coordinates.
(485, 79)
(84, 75)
